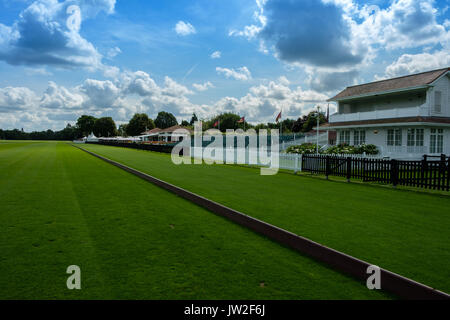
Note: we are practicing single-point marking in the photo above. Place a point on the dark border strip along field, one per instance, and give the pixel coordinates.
(405, 232)
(60, 206)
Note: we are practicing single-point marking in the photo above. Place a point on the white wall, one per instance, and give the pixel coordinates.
(402, 100)
(442, 85)
(380, 140)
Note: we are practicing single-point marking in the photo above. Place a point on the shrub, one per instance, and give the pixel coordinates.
(310, 148)
(343, 148)
(305, 148)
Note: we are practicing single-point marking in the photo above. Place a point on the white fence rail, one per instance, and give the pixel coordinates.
(286, 161)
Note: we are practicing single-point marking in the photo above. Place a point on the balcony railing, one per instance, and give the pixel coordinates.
(381, 114)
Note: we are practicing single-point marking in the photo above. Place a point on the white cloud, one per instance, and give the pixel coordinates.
(47, 33)
(216, 55)
(113, 52)
(13, 99)
(415, 63)
(174, 89)
(101, 94)
(351, 36)
(241, 73)
(184, 28)
(404, 24)
(58, 97)
(138, 92)
(203, 87)
(263, 102)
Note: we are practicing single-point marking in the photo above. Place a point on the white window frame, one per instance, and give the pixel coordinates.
(437, 101)
(396, 137)
(359, 137)
(344, 137)
(436, 140)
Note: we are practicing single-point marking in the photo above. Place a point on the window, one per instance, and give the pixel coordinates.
(419, 137)
(411, 138)
(415, 137)
(394, 137)
(344, 137)
(359, 137)
(437, 101)
(437, 141)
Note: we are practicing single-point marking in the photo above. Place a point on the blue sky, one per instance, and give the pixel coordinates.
(62, 59)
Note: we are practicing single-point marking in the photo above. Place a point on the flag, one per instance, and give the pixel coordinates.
(278, 117)
(241, 120)
(216, 124)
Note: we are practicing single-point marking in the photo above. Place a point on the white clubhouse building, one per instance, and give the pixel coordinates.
(404, 117)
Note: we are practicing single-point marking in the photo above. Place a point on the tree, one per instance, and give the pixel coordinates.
(138, 124)
(311, 121)
(193, 119)
(165, 120)
(86, 124)
(105, 127)
(287, 125)
(184, 123)
(227, 120)
(123, 130)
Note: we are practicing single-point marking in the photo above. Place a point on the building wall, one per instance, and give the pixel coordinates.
(442, 85)
(378, 137)
(403, 100)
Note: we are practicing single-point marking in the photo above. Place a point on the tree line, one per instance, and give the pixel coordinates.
(141, 122)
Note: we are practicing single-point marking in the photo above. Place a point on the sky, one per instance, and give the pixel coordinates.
(62, 59)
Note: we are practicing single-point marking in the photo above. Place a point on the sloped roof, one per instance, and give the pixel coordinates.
(410, 81)
(155, 130)
(173, 128)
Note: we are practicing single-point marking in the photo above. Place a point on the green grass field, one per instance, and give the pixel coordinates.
(403, 231)
(60, 206)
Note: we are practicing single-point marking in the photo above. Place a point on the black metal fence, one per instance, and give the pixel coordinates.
(430, 174)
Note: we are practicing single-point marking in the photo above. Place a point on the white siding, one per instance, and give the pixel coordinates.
(442, 85)
(402, 100)
(378, 137)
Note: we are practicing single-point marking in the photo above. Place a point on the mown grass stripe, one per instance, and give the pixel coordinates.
(392, 282)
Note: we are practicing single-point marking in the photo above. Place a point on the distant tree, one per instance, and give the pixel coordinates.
(287, 125)
(227, 120)
(68, 133)
(184, 123)
(298, 124)
(123, 130)
(105, 127)
(311, 121)
(193, 119)
(260, 126)
(165, 120)
(86, 124)
(139, 123)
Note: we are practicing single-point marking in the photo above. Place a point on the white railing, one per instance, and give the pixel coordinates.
(323, 140)
(381, 114)
(286, 161)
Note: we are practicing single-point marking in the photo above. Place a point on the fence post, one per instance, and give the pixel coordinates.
(349, 168)
(394, 172)
(448, 174)
(423, 169)
(300, 167)
(327, 166)
(296, 163)
(442, 168)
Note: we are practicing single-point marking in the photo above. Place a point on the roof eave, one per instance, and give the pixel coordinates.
(378, 93)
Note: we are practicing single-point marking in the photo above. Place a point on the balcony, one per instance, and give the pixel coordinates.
(422, 111)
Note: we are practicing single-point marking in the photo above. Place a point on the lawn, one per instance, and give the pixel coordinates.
(403, 231)
(60, 206)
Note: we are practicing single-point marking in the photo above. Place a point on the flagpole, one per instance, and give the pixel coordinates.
(281, 125)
